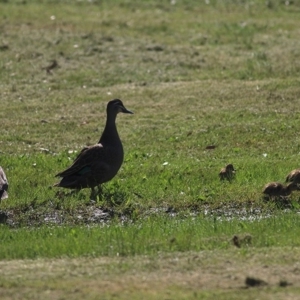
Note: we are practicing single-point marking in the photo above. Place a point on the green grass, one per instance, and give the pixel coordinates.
(179, 68)
(150, 236)
(196, 74)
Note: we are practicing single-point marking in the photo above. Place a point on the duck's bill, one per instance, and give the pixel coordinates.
(126, 111)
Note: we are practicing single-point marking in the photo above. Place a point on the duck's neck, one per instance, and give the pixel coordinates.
(110, 132)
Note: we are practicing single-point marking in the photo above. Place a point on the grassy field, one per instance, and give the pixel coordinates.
(196, 75)
(189, 275)
(148, 237)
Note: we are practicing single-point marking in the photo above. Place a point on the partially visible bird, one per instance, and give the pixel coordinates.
(98, 163)
(277, 189)
(227, 173)
(52, 66)
(293, 176)
(3, 185)
(239, 241)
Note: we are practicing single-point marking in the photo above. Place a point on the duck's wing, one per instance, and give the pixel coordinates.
(82, 163)
(273, 187)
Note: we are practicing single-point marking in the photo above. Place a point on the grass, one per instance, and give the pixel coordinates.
(176, 170)
(192, 275)
(196, 74)
(149, 236)
(159, 257)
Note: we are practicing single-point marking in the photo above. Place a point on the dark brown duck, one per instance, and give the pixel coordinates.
(98, 163)
(277, 189)
(227, 173)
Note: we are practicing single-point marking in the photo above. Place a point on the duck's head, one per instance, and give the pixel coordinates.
(116, 106)
(230, 168)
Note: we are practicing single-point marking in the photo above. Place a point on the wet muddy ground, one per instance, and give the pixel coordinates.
(94, 213)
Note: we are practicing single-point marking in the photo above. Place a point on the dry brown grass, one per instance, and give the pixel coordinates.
(181, 276)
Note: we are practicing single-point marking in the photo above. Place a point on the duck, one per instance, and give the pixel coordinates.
(277, 189)
(240, 241)
(98, 163)
(3, 185)
(293, 176)
(227, 173)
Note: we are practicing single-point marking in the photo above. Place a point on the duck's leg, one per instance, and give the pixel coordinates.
(99, 190)
(93, 195)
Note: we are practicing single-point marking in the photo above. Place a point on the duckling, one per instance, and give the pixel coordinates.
(99, 163)
(277, 189)
(52, 66)
(227, 173)
(240, 241)
(293, 176)
(3, 185)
